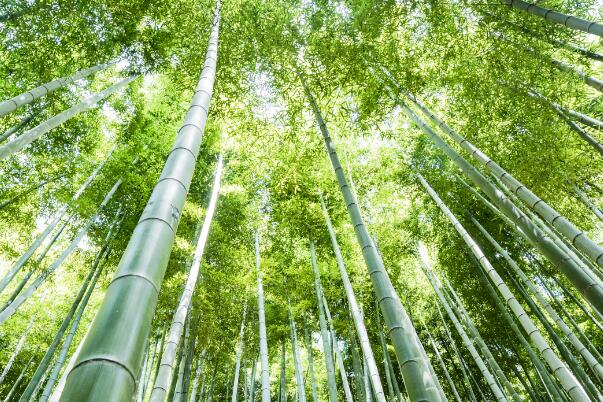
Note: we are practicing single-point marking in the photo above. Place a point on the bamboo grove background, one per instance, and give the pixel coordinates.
(301, 200)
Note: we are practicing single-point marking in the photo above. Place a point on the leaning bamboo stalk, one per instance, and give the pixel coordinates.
(26, 294)
(355, 310)
(10, 105)
(418, 378)
(16, 351)
(324, 332)
(50, 227)
(556, 17)
(584, 352)
(36, 132)
(584, 280)
(562, 373)
(496, 391)
(577, 237)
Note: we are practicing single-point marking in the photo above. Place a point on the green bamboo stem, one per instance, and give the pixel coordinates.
(265, 373)
(418, 378)
(326, 344)
(10, 105)
(36, 132)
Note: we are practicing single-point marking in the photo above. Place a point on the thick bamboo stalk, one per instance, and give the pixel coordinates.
(10, 105)
(36, 132)
(556, 17)
(355, 310)
(326, 344)
(418, 379)
(265, 374)
(562, 373)
(591, 81)
(111, 357)
(50, 227)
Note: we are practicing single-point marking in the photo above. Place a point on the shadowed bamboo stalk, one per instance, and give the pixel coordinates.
(36, 132)
(111, 357)
(235, 383)
(310, 351)
(10, 105)
(584, 280)
(562, 373)
(324, 332)
(299, 371)
(16, 351)
(26, 294)
(584, 352)
(435, 284)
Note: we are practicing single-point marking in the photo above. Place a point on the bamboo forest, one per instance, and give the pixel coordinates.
(301, 200)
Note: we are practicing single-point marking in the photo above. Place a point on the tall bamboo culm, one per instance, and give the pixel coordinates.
(110, 360)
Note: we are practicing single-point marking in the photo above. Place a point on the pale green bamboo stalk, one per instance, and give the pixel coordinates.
(338, 357)
(435, 284)
(564, 375)
(111, 357)
(23, 193)
(253, 378)
(17, 382)
(299, 371)
(457, 353)
(578, 238)
(198, 372)
(591, 361)
(589, 80)
(10, 105)
(310, 350)
(26, 294)
(16, 127)
(326, 344)
(166, 368)
(16, 351)
(235, 383)
(145, 367)
(417, 377)
(586, 282)
(586, 201)
(556, 17)
(354, 309)
(265, 374)
(282, 389)
(50, 227)
(54, 375)
(77, 308)
(443, 367)
(36, 132)
(459, 308)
